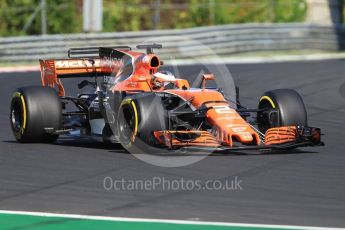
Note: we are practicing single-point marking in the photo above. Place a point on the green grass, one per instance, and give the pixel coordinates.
(28, 222)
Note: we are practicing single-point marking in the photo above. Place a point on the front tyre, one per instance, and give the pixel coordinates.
(281, 107)
(137, 120)
(35, 110)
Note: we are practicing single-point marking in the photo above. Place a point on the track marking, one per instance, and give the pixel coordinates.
(19, 69)
(220, 60)
(166, 221)
(258, 59)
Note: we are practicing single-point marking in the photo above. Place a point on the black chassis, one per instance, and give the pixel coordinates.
(78, 120)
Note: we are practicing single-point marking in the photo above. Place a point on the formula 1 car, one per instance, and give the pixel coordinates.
(135, 104)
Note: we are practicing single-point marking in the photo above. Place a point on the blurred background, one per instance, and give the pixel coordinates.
(264, 25)
(28, 17)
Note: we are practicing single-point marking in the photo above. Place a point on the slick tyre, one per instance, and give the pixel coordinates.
(137, 119)
(35, 110)
(287, 106)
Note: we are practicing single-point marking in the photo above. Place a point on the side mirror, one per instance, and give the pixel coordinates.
(206, 77)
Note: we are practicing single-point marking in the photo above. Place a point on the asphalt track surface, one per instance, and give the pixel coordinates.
(302, 187)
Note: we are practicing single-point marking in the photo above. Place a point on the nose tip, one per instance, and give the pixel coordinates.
(244, 137)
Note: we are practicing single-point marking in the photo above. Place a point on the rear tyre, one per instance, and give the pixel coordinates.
(35, 110)
(289, 106)
(137, 119)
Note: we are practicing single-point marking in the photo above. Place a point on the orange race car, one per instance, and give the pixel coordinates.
(135, 104)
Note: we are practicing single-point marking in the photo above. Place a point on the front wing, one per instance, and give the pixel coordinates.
(279, 138)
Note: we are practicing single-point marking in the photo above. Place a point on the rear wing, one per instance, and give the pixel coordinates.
(82, 62)
(91, 52)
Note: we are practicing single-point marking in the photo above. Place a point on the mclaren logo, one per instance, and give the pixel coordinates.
(75, 64)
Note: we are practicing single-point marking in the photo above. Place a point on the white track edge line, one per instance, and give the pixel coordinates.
(13, 69)
(186, 222)
(257, 59)
(218, 60)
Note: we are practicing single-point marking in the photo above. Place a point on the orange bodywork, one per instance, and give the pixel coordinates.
(228, 125)
(280, 135)
(53, 70)
(203, 139)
